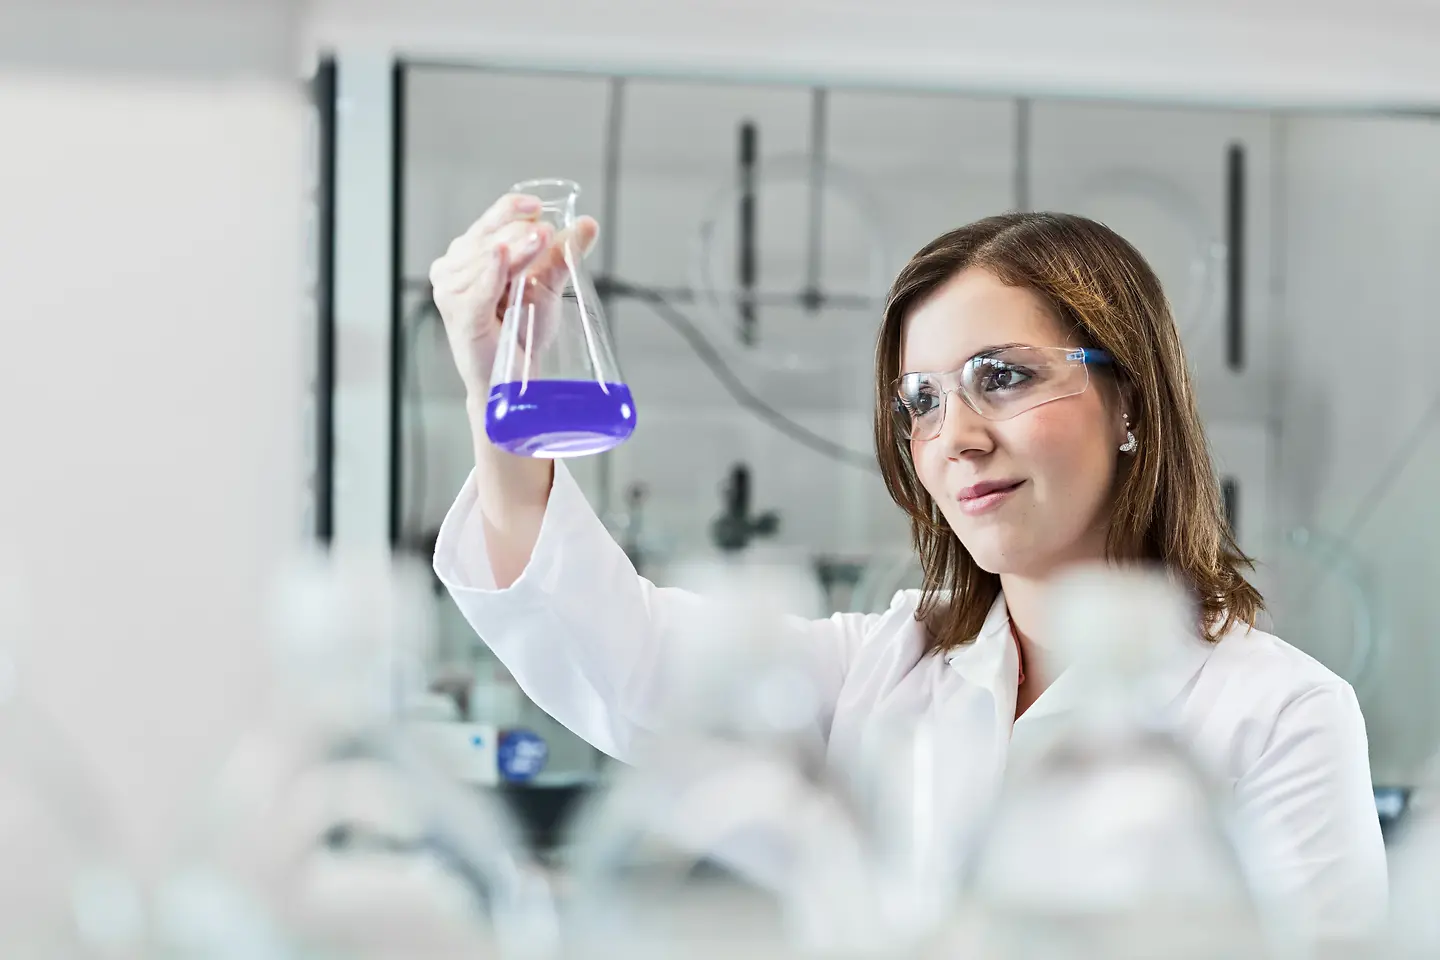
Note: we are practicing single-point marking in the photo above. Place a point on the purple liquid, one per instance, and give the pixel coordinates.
(559, 418)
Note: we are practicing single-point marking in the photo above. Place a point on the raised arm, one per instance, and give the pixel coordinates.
(524, 556)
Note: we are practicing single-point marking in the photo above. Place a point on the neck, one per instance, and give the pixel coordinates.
(1025, 600)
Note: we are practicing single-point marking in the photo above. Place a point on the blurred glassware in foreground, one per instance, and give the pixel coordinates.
(724, 838)
(912, 810)
(1415, 874)
(556, 388)
(64, 892)
(330, 832)
(1106, 839)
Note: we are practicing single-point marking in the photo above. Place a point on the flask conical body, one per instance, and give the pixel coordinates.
(556, 389)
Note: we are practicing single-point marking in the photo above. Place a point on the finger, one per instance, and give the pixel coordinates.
(579, 238)
(527, 243)
(479, 293)
(460, 246)
(505, 260)
(462, 254)
(509, 208)
(587, 231)
(459, 268)
(492, 281)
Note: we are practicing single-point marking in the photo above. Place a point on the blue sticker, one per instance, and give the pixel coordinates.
(521, 755)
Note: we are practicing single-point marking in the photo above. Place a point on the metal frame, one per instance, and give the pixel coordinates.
(365, 298)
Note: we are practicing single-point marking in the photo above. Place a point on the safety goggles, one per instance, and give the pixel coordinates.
(998, 384)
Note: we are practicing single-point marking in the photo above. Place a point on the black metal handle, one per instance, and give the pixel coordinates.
(1235, 258)
(749, 160)
(398, 341)
(324, 90)
(1230, 502)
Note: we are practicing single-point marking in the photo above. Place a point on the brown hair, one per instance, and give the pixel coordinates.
(1167, 507)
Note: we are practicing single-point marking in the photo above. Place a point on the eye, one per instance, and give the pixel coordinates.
(995, 376)
(924, 403)
(920, 399)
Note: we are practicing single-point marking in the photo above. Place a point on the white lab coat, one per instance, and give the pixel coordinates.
(586, 638)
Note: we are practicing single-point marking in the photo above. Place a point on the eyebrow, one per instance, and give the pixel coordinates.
(998, 348)
(989, 351)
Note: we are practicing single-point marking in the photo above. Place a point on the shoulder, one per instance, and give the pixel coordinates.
(898, 617)
(893, 630)
(903, 606)
(1302, 787)
(1248, 657)
(905, 601)
(1270, 693)
(906, 615)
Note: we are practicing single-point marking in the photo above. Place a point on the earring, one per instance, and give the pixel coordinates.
(1131, 444)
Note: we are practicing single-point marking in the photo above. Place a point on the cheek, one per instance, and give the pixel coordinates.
(930, 460)
(1062, 450)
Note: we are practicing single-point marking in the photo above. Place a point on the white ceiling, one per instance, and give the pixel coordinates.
(194, 37)
(1261, 52)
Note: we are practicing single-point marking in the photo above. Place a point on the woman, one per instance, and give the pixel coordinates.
(1033, 412)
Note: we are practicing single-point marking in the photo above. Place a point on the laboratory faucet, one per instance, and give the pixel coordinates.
(736, 526)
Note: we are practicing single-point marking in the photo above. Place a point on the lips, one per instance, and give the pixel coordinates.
(987, 488)
(984, 497)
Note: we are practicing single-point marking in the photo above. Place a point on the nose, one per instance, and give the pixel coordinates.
(964, 433)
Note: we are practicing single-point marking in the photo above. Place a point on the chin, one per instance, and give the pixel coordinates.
(1000, 558)
(1028, 563)
(1005, 552)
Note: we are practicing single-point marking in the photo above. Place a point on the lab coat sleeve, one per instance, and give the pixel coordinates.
(585, 637)
(1311, 801)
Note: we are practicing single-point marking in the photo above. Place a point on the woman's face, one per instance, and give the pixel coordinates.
(1056, 461)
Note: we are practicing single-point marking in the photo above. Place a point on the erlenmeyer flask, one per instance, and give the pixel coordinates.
(556, 389)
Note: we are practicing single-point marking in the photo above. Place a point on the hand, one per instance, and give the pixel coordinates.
(474, 281)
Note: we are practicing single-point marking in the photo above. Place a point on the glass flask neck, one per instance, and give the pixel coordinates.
(557, 198)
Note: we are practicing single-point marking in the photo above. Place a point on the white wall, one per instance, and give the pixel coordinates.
(150, 380)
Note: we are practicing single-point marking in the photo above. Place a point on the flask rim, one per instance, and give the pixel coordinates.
(555, 193)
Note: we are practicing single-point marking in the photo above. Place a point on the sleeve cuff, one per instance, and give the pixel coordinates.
(462, 559)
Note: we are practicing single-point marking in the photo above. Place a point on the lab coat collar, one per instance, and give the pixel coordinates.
(1176, 666)
(991, 661)
(987, 659)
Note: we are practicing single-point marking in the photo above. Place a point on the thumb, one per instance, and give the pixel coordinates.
(586, 233)
(550, 266)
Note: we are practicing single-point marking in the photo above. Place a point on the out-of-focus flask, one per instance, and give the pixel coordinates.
(1107, 840)
(1415, 875)
(725, 838)
(556, 388)
(913, 812)
(64, 891)
(330, 832)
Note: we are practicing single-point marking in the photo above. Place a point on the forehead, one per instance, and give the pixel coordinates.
(972, 312)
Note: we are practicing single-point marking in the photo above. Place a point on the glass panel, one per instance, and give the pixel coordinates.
(1287, 243)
